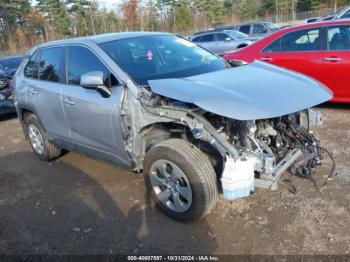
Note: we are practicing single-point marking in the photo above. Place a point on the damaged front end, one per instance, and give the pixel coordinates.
(231, 119)
(277, 144)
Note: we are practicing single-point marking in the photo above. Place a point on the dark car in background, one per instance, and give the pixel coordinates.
(10, 64)
(8, 67)
(343, 14)
(6, 102)
(313, 20)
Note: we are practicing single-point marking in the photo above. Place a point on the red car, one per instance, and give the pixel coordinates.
(320, 50)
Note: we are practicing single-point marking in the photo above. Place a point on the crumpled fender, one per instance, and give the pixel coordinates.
(255, 91)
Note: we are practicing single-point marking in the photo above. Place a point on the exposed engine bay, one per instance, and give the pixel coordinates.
(278, 144)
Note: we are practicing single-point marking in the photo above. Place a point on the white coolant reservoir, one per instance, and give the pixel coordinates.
(238, 177)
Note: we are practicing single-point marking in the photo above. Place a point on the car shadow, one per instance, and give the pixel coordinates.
(5, 117)
(332, 105)
(55, 208)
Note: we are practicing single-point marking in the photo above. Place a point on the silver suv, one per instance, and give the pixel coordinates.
(161, 105)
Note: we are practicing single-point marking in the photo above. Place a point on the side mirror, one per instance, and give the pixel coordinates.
(264, 31)
(94, 80)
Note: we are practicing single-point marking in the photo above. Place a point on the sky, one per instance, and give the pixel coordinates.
(106, 3)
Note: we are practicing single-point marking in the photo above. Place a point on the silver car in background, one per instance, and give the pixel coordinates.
(220, 42)
(254, 30)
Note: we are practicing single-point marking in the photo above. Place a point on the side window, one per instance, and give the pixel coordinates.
(302, 40)
(338, 37)
(273, 47)
(51, 64)
(258, 29)
(31, 69)
(207, 38)
(221, 37)
(245, 29)
(196, 39)
(76, 68)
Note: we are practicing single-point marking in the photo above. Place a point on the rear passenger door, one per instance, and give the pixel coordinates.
(94, 122)
(45, 77)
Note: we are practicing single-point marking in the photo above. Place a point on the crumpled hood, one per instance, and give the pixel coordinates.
(255, 91)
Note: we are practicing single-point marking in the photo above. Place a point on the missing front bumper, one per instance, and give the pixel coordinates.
(270, 182)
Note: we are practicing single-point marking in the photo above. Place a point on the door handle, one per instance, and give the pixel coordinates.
(266, 59)
(33, 91)
(68, 101)
(332, 59)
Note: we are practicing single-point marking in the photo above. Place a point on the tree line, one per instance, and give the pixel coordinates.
(24, 23)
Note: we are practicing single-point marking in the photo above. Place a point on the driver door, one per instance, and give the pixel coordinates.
(94, 122)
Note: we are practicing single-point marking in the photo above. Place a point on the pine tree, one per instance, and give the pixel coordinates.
(80, 13)
(12, 13)
(151, 13)
(183, 19)
(214, 9)
(315, 4)
(56, 14)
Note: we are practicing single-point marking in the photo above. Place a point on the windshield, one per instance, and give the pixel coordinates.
(272, 26)
(342, 13)
(161, 56)
(235, 34)
(10, 63)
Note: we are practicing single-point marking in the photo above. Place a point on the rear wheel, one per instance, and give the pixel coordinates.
(181, 178)
(38, 139)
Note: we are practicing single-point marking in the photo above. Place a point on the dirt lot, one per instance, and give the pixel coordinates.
(77, 205)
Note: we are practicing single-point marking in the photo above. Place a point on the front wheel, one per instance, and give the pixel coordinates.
(181, 178)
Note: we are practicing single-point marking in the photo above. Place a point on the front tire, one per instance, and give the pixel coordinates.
(38, 139)
(182, 180)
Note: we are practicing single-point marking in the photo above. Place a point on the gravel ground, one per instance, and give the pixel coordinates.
(77, 205)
